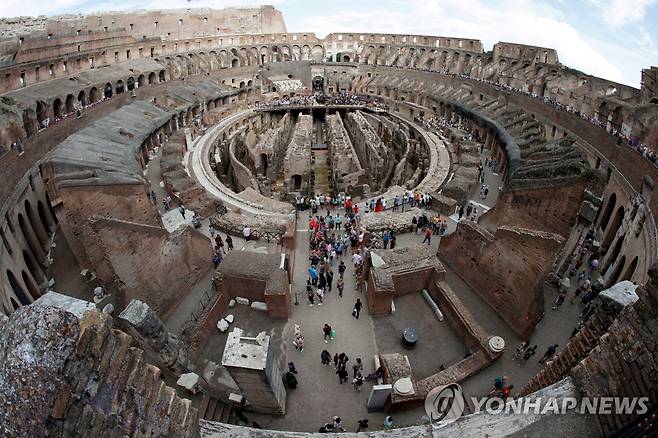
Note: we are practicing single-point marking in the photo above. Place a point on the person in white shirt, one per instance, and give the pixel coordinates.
(246, 232)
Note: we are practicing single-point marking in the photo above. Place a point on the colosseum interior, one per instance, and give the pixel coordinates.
(180, 187)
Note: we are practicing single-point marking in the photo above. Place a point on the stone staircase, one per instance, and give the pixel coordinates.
(212, 409)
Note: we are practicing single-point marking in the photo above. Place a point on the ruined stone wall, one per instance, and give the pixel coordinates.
(298, 155)
(551, 209)
(274, 144)
(149, 264)
(345, 167)
(83, 379)
(506, 268)
(368, 146)
(241, 166)
(177, 23)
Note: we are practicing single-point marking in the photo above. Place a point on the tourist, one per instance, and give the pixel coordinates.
(325, 357)
(342, 374)
(341, 269)
(559, 301)
(229, 242)
(246, 232)
(154, 198)
(550, 351)
(358, 381)
(298, 342)
(520, 350)
(529, 353)
(320, 293)
(340, 286)
(393, 240)
(358, 366)
(336, 360)
(330, 279)
(363, 425)
(217, 258)
(357, 308)
(388, 423)
(310, 295)
(428, 236)
(314, 275)
(326, 332)
(220, 243)
(338, 424)
(505, 392)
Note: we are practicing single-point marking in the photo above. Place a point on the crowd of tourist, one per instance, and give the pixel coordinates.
(341, 98)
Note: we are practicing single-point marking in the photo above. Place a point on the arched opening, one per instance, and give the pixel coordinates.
(14, 303)
(69, 104)
(58, 108)
(241, 84)
(42, 113)
(18, 290)
(29, 122)
(612, 255)
(93, 95)
(31, 266)
(120, 88)
(614, 227)
(141, 81)
(263, 163)
(82, 99)
(631, 270)
(31, 287)
(234, 62)
(29, 237)
(41, 233)
(346, 58)
(614, 277)
(612, 203)
(43, 217)
(151, 78)
(131, 83)
(161, 76)
(296, 182)
(107, 91)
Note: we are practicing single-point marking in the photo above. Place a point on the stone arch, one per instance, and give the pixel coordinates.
(141, 80)
(346, 58)
(93, 95)
(120, 87)
(43, 217)
(107, 91)
(31, 240)
(614, 276)
(296, 53)
(151, 78)
(42, 233)
(263, 163)
(69, 103)
(317, 53)
(161, 76)
(264, 57)
(612, 255)
(130, 83)
(82, 99)
(630, 270)
(235, 63)
(296, 182)
(58, 108)
(607, 214)
(614, 226)
(31, 287)
(32, 266)
(306, 52)
(18, 290)
(29, 122)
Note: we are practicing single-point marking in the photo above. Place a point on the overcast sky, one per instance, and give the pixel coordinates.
(613, 39)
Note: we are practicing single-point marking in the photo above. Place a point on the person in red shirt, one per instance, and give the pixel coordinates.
(428, 235)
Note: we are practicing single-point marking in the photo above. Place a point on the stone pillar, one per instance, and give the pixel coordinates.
(253, 365)
(147, 329)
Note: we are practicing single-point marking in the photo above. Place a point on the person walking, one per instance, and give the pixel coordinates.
(341, 269)
(313, 273)
(428, 235)
(358, 381)
(357, 308)
(325, 357)
(520, 350)
(388, 423)
(529, 353)
(310, 294)
(550, 351)
(363, 425)
(393, 241)
(342, 375)
(336, 360)
(326, 332)
(320, 293)
(358, 366)
(229, 242)
(330, 279)
(340, 286)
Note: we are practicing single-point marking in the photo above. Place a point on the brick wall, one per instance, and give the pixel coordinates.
(507, 268)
